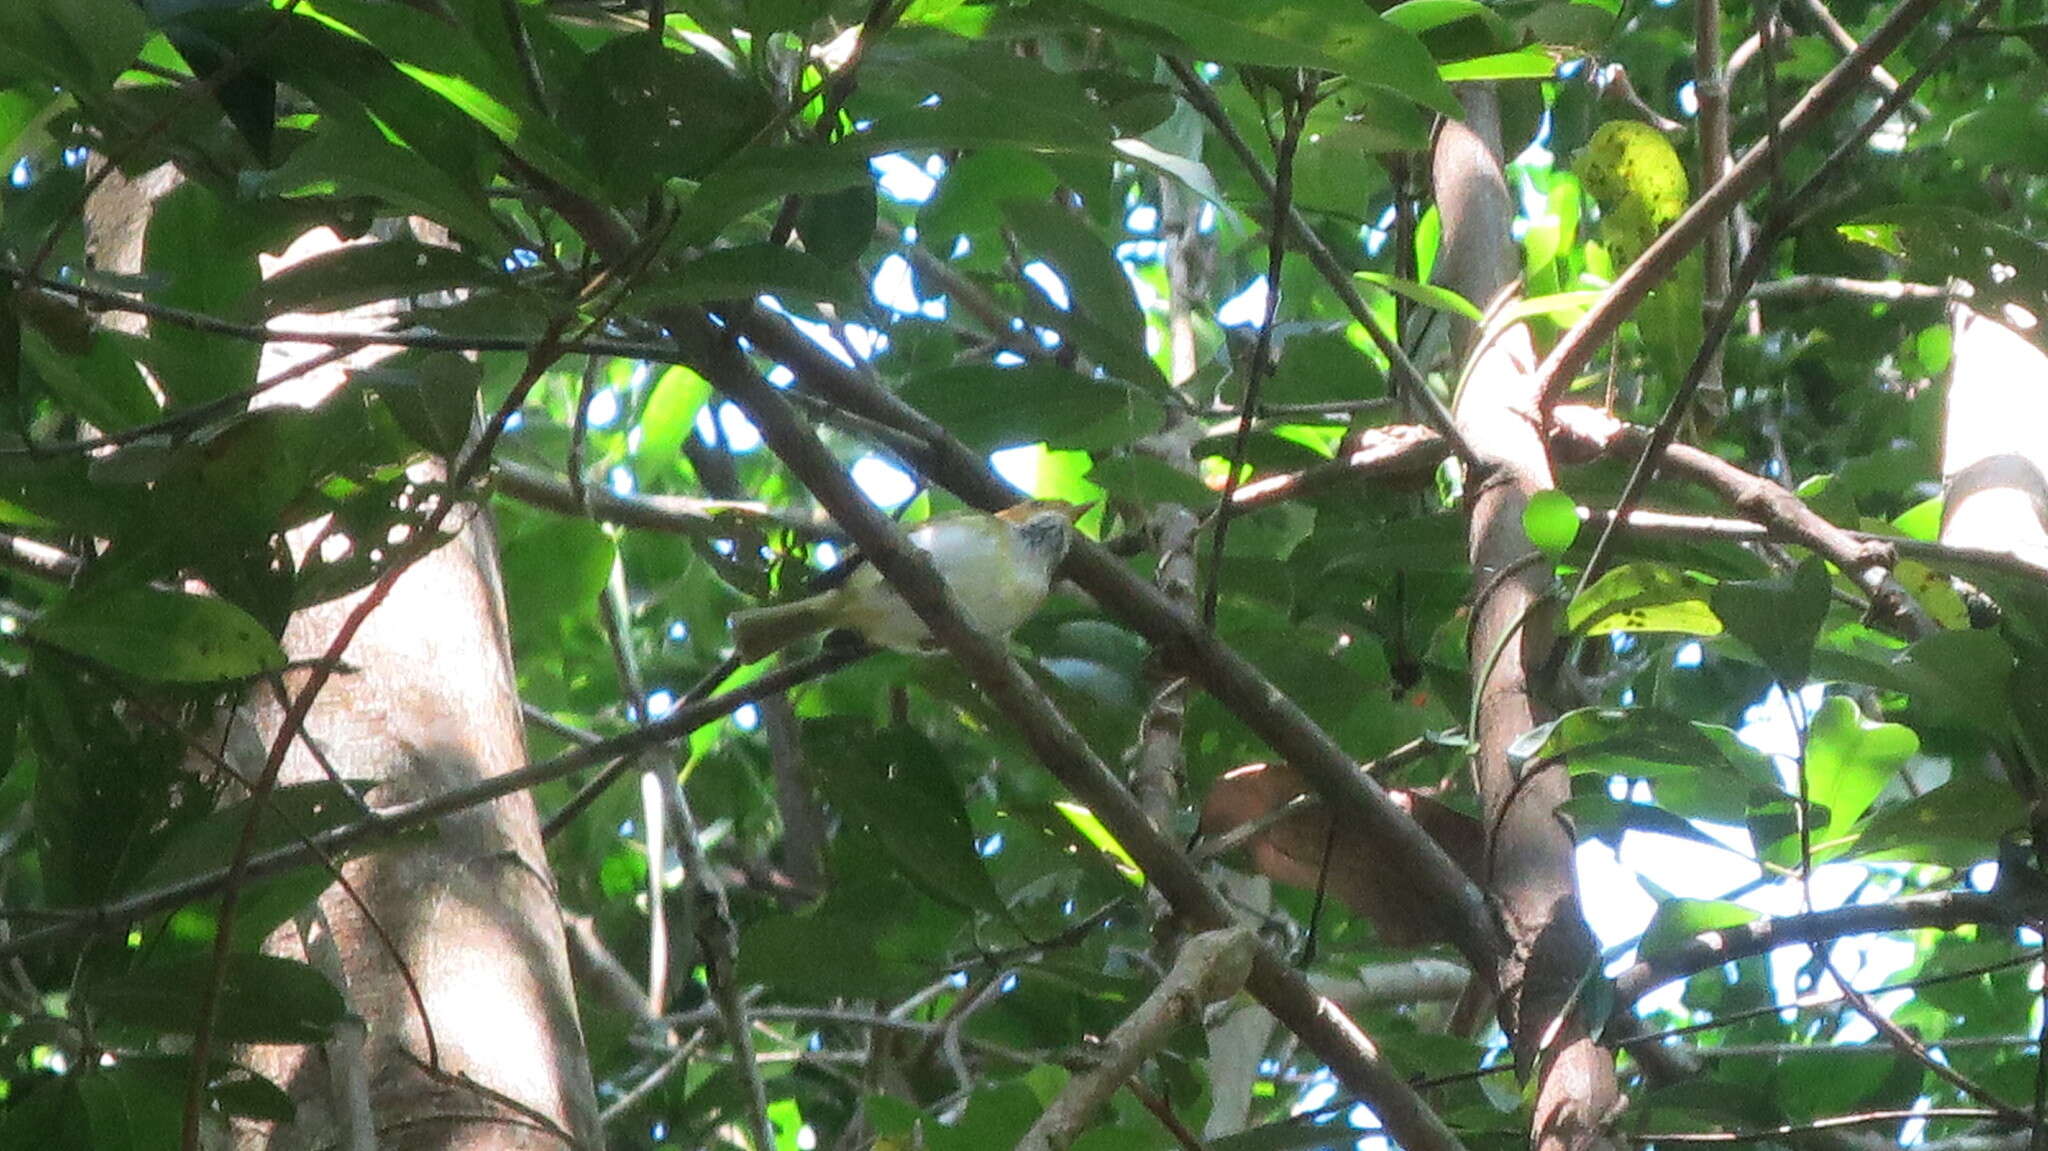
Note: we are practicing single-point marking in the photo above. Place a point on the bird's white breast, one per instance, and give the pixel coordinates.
(998, 581)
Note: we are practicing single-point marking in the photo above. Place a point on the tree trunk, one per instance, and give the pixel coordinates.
(1530, 869)
(427, 703)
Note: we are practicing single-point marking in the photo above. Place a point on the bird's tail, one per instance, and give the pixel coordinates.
(759, 632)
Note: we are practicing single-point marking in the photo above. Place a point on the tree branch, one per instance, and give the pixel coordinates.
(1212, 966)
(1946, 911)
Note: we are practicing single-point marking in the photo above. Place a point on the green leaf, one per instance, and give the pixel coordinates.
(1532, 63)
(1428, 295)
(200, 246)
(1849, 761)
(448, 60)
(669, 417)
(82, 45)
(1937, 241)
(554, 572)
(160, 635)
(1643, 598)
(1779, 618)
(432, 395)
(103, 386)
(764, 175)
(264, 999)
(1678, 921)
(990, 407)
(1334, 35)
(1956, 825)
(1102, 316)
(1551, 521)
(745, 271)
(897, 785)
(1642, 743)
(358, 274)
(1148, 480)
(290, 814)
(648, 112)
(836, 227)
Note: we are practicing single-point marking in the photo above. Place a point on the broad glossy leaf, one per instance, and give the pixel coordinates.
(1330, 34)
(1643, 597)
(201, 248)
(264, 999)
(448, 60)
(103, 386)
(897, 785)
(160, 635)
(432, 395)
(1779, 618)
(990, 407)
(1531, 63)
(358, 274)
(1102, 314)
(78, 44)
(1148, 480)
(1955, 825)
(648, 112)
(764, 175)
(1642, 743)
(1849, 760)
(554, 572)
(1677, 921)
(745, 271)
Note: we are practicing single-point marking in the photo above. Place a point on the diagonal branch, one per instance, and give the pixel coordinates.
(1065, 752)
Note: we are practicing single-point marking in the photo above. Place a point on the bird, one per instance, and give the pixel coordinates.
(1000, 568)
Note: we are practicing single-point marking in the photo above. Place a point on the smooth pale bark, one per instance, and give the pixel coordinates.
(1530, 869)
(428, 704)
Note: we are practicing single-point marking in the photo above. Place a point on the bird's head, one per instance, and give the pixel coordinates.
(1046, 525)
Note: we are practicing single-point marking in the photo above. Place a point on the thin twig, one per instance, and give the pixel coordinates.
(1407, 378)
(1293, 114)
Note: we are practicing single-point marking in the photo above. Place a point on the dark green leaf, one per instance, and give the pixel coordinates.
(897, 786)
(432, 395)
(836, 227)
(358, 274)
(1779, 618)
(1641, 743)
(1148, 480)
(264, 999)
(79, 44)
(103, 386)
(990, 407)
(649, 112)
(160, 635)
(1329, 34)
(1956, 825)
(1102, 315)
(201, 247)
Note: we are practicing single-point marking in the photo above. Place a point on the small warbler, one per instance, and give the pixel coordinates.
(998, 566)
